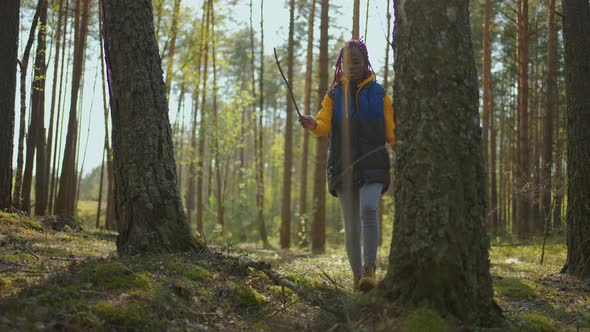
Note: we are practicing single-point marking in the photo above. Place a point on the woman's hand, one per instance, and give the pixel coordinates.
(308, 122)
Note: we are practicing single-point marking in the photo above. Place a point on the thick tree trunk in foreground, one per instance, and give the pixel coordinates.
(576, 29)
(148, 203)
(439, 250)
(9, 24)
(318, 240)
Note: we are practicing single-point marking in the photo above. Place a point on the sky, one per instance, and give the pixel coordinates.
(276, 28)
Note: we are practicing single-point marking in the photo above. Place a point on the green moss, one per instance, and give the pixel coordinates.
(533, 322)
(128, 315)
(515, 288)
(423, 319)
(282, 293)
(246, 297)
(110, 276)
(198, 273)
(53, 295)
(303, 281)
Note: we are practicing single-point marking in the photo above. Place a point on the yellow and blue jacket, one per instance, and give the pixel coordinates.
(359, 121)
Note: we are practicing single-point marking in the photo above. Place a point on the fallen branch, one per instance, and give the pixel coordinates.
(280, 280)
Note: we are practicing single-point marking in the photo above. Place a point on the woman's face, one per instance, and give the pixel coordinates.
(353, 64)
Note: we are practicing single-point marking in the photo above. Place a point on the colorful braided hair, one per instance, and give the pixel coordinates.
(360, 44)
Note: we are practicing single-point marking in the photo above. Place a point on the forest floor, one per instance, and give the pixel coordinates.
(54, 276)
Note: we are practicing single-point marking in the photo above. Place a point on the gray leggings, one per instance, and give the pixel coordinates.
(359, 207)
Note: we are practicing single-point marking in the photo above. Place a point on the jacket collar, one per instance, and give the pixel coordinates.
(359, 86)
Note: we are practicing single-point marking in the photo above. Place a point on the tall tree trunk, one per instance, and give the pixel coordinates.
(65, 201)
(493, 202)
(304, 216)
(550, 103)
(192, 169)
(523, 170)
(355, 19)
(59, 115)
(110, 222)
(54, 90)
(503, 169)
(172, 48)
(149, 207)
(9, 25)
(200, 205)
(24, 64)
(318, 243)
(285, 237)
(216, 133)
(576, 29)
(260, 153)
(558, 189)
(487, 107)
(445, 261)
(38, 102)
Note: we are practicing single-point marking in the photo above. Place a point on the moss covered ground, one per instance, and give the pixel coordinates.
(72, 280)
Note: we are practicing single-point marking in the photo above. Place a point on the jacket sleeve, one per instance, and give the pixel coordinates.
(324, 117)
(389, 119)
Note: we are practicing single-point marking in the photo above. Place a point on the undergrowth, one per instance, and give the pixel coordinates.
(73, 280)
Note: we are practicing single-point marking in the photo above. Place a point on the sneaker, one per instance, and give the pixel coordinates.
(367, 281)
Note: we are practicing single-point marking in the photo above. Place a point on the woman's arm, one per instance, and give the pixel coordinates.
(324, 117)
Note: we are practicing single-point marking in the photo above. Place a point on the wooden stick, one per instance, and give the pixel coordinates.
(286, 82)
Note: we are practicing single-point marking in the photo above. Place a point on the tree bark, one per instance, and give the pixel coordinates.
(487, 107)
(318, 243)
(38, 107)
(149, 207)
(439, 169)
(576, 29)
(285, 237)
(9, 25)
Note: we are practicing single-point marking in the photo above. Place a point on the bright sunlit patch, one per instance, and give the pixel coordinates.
(512, 261)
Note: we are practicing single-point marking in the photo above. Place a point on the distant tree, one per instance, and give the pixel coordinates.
(304, 216)
(285, 237)
(259, 140)
(149, 206)
(576, 29)
(318, 243)
(172, 47)
(24, 65)
(355, 19)
(66, 197)
(548, 118)
(9, 24)
(523, 170)
(439, 251)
